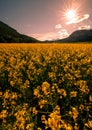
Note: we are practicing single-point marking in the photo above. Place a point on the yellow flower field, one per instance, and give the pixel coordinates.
(45, 86)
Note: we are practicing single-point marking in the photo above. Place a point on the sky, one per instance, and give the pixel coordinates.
(47, 19)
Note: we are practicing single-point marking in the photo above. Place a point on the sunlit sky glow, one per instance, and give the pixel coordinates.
(47, 19)
(70, 14)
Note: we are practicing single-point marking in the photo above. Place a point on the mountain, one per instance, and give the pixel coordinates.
(78, 36)
(10, 35)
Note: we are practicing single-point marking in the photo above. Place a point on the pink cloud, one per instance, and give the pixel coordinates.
(63, 34)
(78, 19)
(87, 27)
(58, 26)
(51, 35)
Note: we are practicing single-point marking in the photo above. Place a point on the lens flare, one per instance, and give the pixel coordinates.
(78, 19)
(70, 14)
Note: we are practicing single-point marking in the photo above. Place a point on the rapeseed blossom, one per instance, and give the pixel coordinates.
(45, 86)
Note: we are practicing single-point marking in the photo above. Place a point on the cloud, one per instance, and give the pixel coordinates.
(58, 26)
(78, 19)
(87, 27)
(63, 34)
(51, 35)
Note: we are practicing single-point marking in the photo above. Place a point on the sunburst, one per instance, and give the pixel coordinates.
(70, 14)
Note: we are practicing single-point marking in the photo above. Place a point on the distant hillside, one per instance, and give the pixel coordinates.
(10, 35)
(79, 36)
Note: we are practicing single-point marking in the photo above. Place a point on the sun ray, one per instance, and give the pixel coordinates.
(70, 14)
(72, 10)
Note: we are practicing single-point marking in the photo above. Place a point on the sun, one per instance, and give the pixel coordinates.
(70, 14)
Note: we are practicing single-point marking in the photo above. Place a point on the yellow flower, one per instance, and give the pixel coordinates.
(6, 94)
(46, 88)
(30, 126)
(73, 94)
(39, 128)
(14, 96)
(76, 127)
(36, 92)
(12, 83)
(90, 98)
(54, 119)
(74, 113)
(89, 124)
(34, 111)
(43, 119)
(1, 93)
(3, 114)
(62, 92)
(81, 107)
(83, 87)
(42, 102)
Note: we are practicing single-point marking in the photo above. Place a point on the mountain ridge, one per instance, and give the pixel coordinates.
(78, 36)
(10, 35)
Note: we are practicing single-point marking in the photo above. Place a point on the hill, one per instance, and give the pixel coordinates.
(10, 35)
(78, 36)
